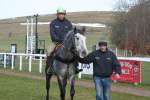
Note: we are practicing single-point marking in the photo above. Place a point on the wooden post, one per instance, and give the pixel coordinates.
(12, 62)
(4, 60)
(30, 63)
(40, 65)
(20, 68)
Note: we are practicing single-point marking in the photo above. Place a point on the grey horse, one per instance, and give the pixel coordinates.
(64, 62)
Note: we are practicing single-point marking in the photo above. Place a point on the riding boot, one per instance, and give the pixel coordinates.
(77, 70)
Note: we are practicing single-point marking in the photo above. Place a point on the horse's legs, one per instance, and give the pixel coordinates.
(48, 78)
(62, 86)
(72, 90)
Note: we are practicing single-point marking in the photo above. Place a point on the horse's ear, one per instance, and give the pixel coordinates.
(83, 30)
(75, 30)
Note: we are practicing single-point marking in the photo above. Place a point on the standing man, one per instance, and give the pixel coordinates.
(59, 28)
(104, 64)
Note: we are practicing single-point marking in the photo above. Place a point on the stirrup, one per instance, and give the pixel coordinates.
(50, 70)
(78, 71)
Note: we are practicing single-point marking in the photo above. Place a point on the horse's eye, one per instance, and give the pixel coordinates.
(77, 38)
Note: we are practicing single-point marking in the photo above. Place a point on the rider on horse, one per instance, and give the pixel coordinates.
(59, 28)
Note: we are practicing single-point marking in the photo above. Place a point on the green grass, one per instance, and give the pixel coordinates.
(19, 88)
(35, 70)
(5, 41)
(146, 73)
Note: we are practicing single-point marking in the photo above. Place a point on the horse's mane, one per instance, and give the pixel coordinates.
(68, 36)
(70, 33)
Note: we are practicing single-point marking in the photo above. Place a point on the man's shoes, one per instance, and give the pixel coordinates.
(78, 70)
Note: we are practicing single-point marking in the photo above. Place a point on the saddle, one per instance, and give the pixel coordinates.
(58, 45)
(49, 61)
(52, 56)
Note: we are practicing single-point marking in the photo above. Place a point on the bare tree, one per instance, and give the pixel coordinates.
(131, 27)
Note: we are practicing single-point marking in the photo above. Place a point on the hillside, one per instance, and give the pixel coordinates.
(12, 32)
(13, 25)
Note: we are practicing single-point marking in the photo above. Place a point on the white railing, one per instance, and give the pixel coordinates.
(29, 56)
(142, 59)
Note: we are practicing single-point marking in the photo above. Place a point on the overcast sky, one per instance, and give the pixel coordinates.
(15, 8)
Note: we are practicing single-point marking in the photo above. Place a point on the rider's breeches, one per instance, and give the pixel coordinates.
(51, 48)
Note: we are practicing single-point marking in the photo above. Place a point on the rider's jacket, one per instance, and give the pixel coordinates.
(59, 29)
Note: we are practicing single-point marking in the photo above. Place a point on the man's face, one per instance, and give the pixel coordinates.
(103, 48)
(61, 16)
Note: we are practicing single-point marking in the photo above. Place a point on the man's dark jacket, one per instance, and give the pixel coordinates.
(59, 29)
(104, 63)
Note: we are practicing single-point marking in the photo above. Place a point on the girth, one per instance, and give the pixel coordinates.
(66, 61)
(55, 56)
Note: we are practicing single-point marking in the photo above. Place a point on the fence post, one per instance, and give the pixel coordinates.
(126, 53)
(20, 68)
(116, 52)
(80, 74)
(30, 63)
(130, 53)
(40, 65)
(31, 38)
(27, 45)
(4, 60)
(12, 61)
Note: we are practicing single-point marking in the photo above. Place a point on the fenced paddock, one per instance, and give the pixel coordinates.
(35, 63)
(24, 62)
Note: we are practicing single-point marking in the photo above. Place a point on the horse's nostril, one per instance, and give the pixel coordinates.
(84, 53)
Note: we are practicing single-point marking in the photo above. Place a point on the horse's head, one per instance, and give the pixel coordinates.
(75, 42)
(80, 42)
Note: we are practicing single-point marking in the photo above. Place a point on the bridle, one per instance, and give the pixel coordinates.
(73, 48)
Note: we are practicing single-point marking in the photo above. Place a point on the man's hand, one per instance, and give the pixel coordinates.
(117, 76)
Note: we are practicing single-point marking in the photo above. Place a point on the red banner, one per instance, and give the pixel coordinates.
(131, 71)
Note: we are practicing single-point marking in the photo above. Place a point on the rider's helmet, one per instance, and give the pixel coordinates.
(61, 11)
